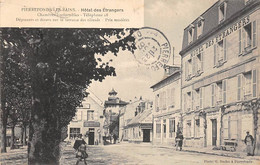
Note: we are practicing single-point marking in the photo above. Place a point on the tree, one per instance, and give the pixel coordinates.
(61, 65)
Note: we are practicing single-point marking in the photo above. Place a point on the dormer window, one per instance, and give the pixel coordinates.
(190, 33)
(200, 26)
(222, 12)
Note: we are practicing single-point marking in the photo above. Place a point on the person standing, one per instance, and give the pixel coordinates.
(80, 148)
(249, 144)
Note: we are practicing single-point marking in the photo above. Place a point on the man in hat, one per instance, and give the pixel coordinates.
(249, 144)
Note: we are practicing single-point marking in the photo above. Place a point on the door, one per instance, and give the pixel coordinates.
(214, 132)
(91, 138)
(146, 135)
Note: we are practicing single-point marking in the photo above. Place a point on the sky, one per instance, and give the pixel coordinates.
(134, 80)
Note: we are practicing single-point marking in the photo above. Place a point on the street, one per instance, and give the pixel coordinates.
(128, 153)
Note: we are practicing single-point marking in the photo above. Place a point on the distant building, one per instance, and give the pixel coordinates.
(88, 121)
(127, 113)
(111, 113)
(136, 117)
(220, 76)
(139, 128)
(167, 107)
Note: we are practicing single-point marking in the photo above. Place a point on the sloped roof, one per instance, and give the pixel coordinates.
(138, 119)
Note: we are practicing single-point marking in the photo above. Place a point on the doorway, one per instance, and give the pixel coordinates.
(146, 135)
(214, 132)
(91, 136)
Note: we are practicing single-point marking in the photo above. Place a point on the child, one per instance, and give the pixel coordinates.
(80, 147)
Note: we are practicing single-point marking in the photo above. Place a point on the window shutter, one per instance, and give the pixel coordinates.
(224, 91)
(193, 65)
(201, 98)
(185, 102)
(238, 87)
(225, 50)
(215, 54)
(202, 58)
(254, 33)
(192, 99)
(186, 69)
(239, 43)
(225, 125)
(254, 83)
(212, 95)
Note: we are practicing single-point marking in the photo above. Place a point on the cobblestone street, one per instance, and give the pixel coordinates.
(128, 153)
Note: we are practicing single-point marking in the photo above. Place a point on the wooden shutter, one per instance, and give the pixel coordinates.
(212, 95)
(239, 84)
(224, 82)
(186, 69)
(201, 62)
(240, 42)
(225, 49)
(225, 125)
(254, 74)
(243, 39)
(215, 54)
(185, 102)
(201, 98)
(254, 33)
(192, 100)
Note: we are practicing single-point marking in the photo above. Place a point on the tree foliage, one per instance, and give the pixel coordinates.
(49, 71)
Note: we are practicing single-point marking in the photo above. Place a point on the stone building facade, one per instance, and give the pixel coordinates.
(88, 121)
(220, 75)
(167, 107)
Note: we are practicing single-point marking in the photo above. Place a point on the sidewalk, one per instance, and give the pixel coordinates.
(14, 154)
(208, 150)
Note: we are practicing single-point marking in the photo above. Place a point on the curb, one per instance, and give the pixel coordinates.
(210, 153)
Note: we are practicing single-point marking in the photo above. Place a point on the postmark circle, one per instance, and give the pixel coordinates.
(152, 48)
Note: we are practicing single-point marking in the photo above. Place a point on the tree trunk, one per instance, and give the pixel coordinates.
(4, 114)
(12, 138)
(24, 135)
(44, 135)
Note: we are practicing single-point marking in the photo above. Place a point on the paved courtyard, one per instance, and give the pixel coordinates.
(134, 154)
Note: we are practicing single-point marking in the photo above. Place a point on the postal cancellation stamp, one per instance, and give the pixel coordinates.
(153, 48)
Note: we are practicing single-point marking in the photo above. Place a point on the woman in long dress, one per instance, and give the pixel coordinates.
(249, 144)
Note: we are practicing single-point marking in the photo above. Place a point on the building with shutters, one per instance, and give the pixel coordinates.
(88, 121)
(220, 75)
(167, 107)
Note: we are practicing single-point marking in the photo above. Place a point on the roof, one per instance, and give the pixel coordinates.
(140, 118)
(114, 102)
(112, 92)
(211, 22)
(166, 78)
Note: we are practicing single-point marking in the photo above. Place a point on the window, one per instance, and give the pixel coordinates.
(190, 33)
(200, 26)
(78, 116)
(230, 125)
(90, 115)
(197, 128)
(158, 129)
(188, 69)
(172, 101)
(171, 128)
(188, 101)
(199, 63)
(248, 83)
(188, 129)
(74, 132)
(164, 128)
(247, 38)
(220, 55)
(219, 93)
(222, 12)
(162, 100)
(197, 99)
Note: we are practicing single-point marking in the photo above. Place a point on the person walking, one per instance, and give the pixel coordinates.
(249, 144)
(80, 148)
(179, 141)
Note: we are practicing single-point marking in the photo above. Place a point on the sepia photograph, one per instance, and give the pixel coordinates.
(135, 82)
